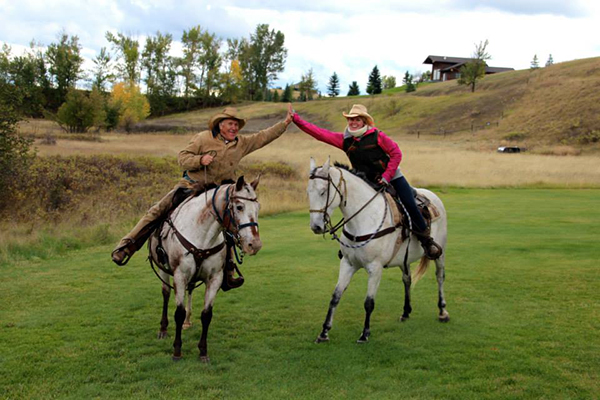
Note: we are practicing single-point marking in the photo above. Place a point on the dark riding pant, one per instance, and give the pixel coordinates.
(406, 195)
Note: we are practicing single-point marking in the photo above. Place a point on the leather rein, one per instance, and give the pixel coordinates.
(332, 229)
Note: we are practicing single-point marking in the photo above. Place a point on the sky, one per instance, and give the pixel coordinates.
(348, 37)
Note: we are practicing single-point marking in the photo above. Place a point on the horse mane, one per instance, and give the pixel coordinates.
(199, 187)
(356, 173)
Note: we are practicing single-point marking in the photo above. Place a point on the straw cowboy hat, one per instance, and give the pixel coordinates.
(228, 113)
(358, 110)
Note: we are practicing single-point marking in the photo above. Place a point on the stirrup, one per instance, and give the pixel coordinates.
(427, 248)
(127, 253)
(229, 282)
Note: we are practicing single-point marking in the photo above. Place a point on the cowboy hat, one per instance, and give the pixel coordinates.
(228, 113)
(358, 110)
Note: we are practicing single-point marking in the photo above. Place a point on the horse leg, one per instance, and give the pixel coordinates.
(179, 286)
(406, 278)
(188, 310)
(440, 272)
(212, 287)
(346, 273)
(375, 271)
(164, 321)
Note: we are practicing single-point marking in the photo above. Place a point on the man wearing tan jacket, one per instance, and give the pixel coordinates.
(211, 157)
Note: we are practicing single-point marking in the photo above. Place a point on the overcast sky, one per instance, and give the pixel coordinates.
(349, 37)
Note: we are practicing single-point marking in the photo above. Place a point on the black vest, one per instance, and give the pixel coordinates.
(366, 155)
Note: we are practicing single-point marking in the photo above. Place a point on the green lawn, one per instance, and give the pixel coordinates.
(522, 290)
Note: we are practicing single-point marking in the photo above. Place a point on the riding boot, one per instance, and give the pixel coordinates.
(432, 250)
(229, 279)
(406, 194)
(123, 252)
(229, 270)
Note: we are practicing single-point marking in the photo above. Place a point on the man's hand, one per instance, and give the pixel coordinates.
(290, 114)
(206, 159)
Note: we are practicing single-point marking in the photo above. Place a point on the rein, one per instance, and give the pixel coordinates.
(332, 229)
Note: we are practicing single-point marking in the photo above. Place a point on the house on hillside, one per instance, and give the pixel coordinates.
(444, 68)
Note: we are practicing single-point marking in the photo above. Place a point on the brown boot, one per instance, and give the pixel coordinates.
(123, 252)
(432, 250)
(229, 279)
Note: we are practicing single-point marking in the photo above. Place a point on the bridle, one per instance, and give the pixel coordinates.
(229, 221)
(328, 202)
(332, 229)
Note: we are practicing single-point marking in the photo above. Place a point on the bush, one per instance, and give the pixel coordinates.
(131, 103)
(80, 112)
(15, 155)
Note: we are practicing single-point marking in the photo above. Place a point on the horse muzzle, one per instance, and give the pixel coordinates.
(317, 229)
(253, 246)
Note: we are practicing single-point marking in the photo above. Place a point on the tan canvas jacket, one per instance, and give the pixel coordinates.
(228, 155)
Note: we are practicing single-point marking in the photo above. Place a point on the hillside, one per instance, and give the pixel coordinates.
(556, 105)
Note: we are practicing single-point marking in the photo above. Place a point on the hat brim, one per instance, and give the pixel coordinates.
(370, 120)
(214, 121)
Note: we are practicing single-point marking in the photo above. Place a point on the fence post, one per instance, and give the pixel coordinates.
(418, 134)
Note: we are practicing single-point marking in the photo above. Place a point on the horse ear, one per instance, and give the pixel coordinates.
(239, 184)
(313, 165)
(326, 166)
(254, 183)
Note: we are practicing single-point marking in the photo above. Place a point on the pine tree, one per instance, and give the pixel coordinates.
(287, 94)
(535, 63)
(353, 89)
(374, 85)
(550, 61)
(334, 86)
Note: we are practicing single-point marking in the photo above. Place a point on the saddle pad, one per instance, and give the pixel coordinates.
(422, 202)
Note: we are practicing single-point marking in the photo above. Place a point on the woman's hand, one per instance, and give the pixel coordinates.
(290, 114)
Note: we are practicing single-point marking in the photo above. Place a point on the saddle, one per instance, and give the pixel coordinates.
(429, 211)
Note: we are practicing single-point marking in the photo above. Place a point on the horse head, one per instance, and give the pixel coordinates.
(244, 206)
(323, 195)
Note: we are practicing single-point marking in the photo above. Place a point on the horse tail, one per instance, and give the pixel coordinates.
(420, 271)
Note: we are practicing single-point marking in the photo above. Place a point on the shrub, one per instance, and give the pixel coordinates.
(80, 112)
(131, 103)
(15, 155)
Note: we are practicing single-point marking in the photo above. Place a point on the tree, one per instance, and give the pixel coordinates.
(15, 153)
(389, 82)
(80, 112)
(287, 94)
(550, 61)
(128, 52)
(275, 98)
(64, 61)
(131, 103)
(374, 84)
(307, 86)
(101, 72)
(160, 74)
(474, 70)
(261, 58)
(353, 89)
(190, 61)
(535, 63)
(408, 81)
(231, 79)
(425, 76)
(333, 90)
(210, 63)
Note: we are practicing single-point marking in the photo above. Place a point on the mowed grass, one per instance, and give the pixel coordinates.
(522, 291)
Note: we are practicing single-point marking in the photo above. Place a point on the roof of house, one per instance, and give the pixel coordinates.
(446, 59)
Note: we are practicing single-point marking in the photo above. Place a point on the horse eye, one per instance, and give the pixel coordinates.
(240, 208)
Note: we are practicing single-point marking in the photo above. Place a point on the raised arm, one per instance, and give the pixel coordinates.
(333, 138)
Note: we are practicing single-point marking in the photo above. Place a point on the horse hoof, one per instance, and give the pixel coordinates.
(162, 334)
(205, 359)
(362, 340)
(187, 326)
(321, 339)
(177, 358)
(404, 319)
(444, 317)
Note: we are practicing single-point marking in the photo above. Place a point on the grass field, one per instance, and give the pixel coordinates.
(522, 292)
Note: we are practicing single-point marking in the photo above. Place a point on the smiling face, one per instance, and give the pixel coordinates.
(229, 128)
(355, 123)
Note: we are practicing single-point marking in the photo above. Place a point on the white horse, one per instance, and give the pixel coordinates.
(371, 239)
(194, 250)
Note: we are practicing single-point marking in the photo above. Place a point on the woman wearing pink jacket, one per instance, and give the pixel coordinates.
(376, 155)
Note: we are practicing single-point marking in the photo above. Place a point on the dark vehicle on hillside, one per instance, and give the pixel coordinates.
(509, 149)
